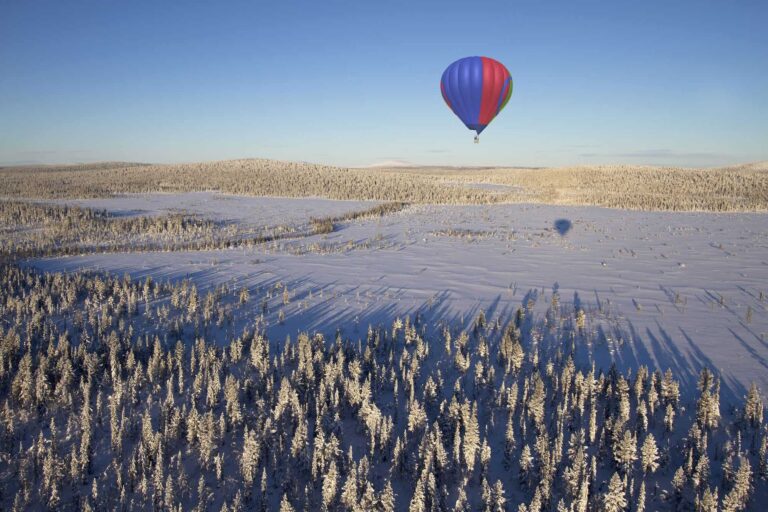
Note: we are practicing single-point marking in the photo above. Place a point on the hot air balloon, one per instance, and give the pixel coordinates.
(476, 89)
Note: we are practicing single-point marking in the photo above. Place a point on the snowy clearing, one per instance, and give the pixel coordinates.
(222, 207)
(679, 290)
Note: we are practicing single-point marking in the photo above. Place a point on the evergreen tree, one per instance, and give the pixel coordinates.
(461, 501)
(614, 500)
(707, 406)
(471, 441)
(709, 500)
(640, 504)
(625, 451)
(678, 482)
(649, 454)
(753, 408)
(526, 465)
(701, 473)
(511, 353)
(499, 501)
(669, 418)
(387, 499)
(418, 501)
(762, 457)
(285, 505)
(249, 459)
(349, 493)
(741, 492)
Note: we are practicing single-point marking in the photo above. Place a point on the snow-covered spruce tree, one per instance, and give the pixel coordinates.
(649, 454)
(625, 451)
(511, 352)
(753, 408)
(709, 501)
(614, 500)
(640, 504)
(708, 404)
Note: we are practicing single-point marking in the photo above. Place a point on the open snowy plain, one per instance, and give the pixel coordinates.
(662, 289)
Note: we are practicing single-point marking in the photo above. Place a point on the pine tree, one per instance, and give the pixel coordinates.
(169, 493)
(536, 400)
(640, 506)
(649, 454)
(54, 498)
(622, 389)
(486, 496)
(762, 457)
(368, 500)
(232, 399)
(753, 408)
(670, 389)
(192, 302)
(727, 468)
(535, 504)
(471, 439)
(286, 296)
(462, 504)
(509, 441)
(582, 501)
(499, 501)
(418, 501)
(23, 388)
(511, 353)
(485, 457)
(250, 457)
(158, 477)
(678, 482)
(701, 474)
(329, 485)
(202, 493)
(526, 465)
(709, 500)
(707, 406)
(669, 418)
(456, 452)
(731, 503)
(742, 486)
(614, 500)
(593, 421)
(387, 499)
(625, 451)
(642, 417)
(285, 505)
(417, 416)
(263, 491)
(349, 493)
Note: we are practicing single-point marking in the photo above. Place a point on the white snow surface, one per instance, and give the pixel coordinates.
(260, 211)
(668, 290)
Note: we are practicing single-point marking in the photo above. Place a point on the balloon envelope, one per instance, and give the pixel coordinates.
(476, 89)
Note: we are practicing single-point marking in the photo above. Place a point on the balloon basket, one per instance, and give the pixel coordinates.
(477, 139)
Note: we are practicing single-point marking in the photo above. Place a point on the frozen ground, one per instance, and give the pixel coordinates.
(679, 290)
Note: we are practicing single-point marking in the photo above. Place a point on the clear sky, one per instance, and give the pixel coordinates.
(682, 82)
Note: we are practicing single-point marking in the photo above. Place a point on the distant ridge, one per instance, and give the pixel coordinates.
(750, 166)
(738, 188)
(399, 164)
(75, 166)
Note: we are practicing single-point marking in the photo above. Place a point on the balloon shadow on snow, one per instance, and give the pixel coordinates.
(563, 226)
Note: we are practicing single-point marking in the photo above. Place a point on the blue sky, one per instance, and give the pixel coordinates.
(353, 83)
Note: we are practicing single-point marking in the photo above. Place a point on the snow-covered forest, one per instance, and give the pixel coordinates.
(112, 397)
